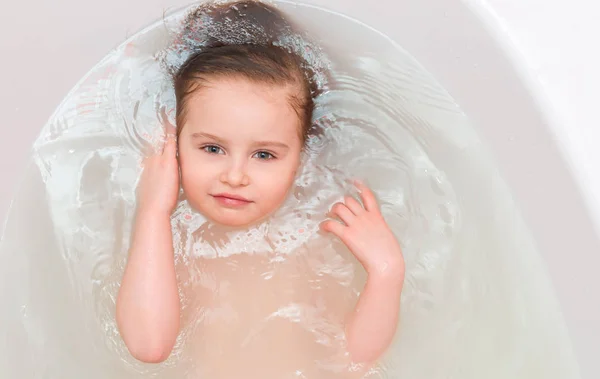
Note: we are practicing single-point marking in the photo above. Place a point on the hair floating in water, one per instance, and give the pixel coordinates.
(243, 23)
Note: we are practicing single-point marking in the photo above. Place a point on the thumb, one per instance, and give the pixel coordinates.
(333, 227)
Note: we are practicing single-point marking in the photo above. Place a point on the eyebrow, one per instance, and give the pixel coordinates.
(256, 144)
(207, 136)
(280, 145)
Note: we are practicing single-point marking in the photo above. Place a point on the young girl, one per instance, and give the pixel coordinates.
(243, 115)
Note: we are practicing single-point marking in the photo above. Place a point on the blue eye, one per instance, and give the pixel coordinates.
(213, 149)
(264, 155)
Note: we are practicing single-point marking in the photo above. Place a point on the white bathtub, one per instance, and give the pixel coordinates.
(523, 71)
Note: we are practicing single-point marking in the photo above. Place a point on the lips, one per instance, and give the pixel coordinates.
(231, 200)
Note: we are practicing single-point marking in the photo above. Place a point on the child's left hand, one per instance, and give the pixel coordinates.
(366, 234)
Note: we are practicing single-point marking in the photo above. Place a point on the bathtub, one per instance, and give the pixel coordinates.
(527, 85)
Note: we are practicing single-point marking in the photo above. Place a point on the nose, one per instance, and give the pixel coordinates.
(235, 174)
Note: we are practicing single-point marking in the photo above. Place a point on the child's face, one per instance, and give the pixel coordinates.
(239, 150)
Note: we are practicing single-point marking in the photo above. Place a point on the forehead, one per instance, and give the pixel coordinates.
(237, 108)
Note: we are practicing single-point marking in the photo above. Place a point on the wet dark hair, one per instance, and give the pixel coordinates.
(242, 43)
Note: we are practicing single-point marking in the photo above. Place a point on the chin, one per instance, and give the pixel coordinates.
(232, 222)
(233, 219)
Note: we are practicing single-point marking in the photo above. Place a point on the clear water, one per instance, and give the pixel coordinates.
(476, 303)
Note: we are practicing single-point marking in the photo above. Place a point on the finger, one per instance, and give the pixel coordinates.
(341, 211)
(164, 119)
(170, 130)
(333, 227)
(353, 205)
(367, 196)
(170, 149)
(147, 161)
(152, 148)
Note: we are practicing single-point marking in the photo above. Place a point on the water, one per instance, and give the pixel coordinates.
(476, 302)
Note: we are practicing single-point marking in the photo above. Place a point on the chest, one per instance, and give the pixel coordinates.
(262, 313)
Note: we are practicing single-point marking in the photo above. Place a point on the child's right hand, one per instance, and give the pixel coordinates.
(159, 185)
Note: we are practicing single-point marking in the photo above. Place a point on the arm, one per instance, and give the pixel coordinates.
(148, 300)
(371, 327)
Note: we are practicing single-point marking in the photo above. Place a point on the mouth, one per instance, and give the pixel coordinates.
(230, 200)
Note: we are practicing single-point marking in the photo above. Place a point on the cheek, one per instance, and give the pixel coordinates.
(274, 184)
(191, 175)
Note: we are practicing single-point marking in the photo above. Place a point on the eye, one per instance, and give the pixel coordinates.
(213, 149)
(263, 155)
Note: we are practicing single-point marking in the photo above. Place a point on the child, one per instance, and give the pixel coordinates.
(243, 116)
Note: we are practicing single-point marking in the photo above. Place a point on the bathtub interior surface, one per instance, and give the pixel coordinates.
(453, 45)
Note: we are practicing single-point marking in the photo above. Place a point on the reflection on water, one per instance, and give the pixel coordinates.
(476, 302)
